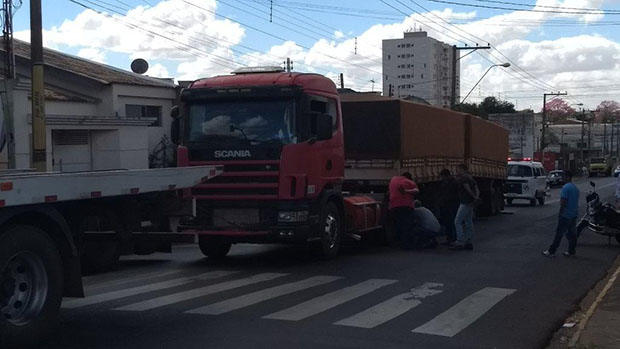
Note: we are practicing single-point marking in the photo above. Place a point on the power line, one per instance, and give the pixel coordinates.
(528, 10)
(543, 6)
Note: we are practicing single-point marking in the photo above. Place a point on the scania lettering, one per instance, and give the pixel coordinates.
(233, 154)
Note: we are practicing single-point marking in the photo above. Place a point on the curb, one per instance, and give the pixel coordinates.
(582, 324)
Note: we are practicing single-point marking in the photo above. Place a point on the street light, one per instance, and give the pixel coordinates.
(504, 65)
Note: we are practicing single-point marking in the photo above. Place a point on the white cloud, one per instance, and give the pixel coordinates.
(93, 54)
(158, 71)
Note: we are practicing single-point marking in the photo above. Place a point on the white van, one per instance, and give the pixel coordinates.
(527, 180)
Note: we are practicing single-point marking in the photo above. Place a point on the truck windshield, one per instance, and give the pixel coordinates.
(519, 171)
(256, 121)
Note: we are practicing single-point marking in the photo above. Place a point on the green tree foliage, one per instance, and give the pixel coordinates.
(490, 105)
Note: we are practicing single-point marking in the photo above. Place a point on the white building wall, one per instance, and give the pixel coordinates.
(418, 65)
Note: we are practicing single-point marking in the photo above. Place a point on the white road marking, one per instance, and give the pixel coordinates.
(392, 308)
(262, 295)
(464, 313)
(129, 278)
(199, 292)
(329, 300)
(108, 296)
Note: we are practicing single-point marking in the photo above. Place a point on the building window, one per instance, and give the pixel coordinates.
(144, 111)
(422, 76)
(389, 57)
(424, 65)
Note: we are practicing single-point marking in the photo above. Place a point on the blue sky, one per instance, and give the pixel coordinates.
(557, 49)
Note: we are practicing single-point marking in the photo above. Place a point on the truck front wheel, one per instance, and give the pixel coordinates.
(214, 247)
(330, 231)
(30, 286)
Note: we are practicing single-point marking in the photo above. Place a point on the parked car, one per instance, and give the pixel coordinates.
(527, 180)
(555, 178)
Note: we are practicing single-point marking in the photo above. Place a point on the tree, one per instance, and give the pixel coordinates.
(557, 110)
(492, 105)
(608, 111)
(469, 108)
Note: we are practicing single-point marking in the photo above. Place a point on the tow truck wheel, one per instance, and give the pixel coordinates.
(330, 230)
(213, 247)
(30, 286)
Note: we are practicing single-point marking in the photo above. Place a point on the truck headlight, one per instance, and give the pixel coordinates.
(292, 216)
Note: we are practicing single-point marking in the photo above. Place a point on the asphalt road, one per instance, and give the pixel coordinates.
(504, 294)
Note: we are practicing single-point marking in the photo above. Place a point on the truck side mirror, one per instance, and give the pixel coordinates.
(175, 112)
(175, 131)
(323, 127)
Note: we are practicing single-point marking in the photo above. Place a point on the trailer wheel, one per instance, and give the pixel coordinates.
(30, 286)
(214, 247)
(330, 225)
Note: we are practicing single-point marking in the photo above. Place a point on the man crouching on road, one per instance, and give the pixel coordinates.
(567, 220)
(402, 189)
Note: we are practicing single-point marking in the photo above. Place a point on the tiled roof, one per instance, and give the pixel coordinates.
(97, 71)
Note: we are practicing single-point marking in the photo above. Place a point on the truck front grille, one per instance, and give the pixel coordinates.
(242, 180)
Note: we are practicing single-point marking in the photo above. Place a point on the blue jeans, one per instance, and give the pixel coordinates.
(464, 224)
(566, 226)
(404, 224)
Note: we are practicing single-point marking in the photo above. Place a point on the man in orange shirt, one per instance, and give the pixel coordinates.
(402, 190)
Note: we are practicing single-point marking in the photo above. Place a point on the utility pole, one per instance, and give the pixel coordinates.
(289, 65)
(9, 67)
(341, 80)
(604, 138)
(39, 155)
(583, 116)
(455, 52)
(543, 144)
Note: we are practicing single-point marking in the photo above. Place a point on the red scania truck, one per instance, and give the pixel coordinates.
(281, 141)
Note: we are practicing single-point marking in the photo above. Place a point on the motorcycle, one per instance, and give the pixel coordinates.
(600, 217)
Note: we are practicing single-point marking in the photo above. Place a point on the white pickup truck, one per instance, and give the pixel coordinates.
(53, 223)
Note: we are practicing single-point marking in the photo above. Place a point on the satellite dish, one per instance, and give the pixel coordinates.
(139, 66)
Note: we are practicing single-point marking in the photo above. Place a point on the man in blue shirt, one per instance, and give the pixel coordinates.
(569, 201)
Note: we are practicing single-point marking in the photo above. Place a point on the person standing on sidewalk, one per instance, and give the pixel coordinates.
(402, 189)
(448, 205)
(567, 218)
(464, 221)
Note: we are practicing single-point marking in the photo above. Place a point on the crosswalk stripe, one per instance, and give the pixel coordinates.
(97, 286)
(199, 292)
(392, 308)
(263, 295)
(465, 312)
(328, 301)
(108, 296)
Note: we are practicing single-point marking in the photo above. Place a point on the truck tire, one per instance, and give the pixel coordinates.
(330, 225)
(214, 247)
(31, 286)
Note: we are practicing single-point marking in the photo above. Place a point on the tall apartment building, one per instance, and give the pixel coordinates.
(418, 65)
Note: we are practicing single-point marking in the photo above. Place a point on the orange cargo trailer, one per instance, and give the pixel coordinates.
(387, 136)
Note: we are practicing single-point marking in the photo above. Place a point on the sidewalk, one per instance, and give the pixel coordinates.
(596, 324)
